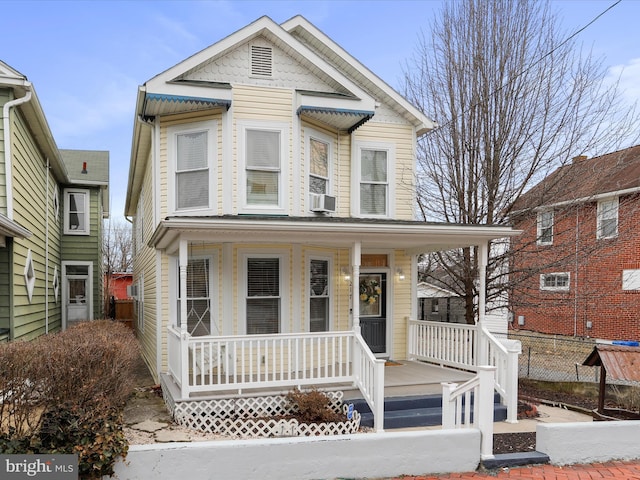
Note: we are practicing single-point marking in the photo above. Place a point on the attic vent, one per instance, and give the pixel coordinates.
(261, 61)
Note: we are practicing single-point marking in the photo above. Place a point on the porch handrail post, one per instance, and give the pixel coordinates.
(355, 289)
(486, 376)
(356, 361)
(378, 415)
(410, 340)
(184, 334)
(514, 349)
(448, 411)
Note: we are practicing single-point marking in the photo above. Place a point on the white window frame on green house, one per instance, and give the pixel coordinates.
(319, 181)
(380, 181)
(198, 170)
(545, 227)
(608, 218)
(556, 281)
(272, 165)
(82, 210)
(283, 296)
(319, 297)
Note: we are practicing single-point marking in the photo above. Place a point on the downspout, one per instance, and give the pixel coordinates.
(7, 146)
(46, 251)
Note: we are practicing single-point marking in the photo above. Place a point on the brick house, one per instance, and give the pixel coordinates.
(577, 264)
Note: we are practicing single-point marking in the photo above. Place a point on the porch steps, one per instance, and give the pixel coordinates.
(414, 411)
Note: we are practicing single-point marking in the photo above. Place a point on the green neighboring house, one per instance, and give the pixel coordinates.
(52, 203)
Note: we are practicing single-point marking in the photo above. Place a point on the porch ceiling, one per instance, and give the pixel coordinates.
(413, 237)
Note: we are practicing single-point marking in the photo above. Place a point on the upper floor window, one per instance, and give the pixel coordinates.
(76, 212)
(375, 189)
(554, 281)
(545, 228)
(263, 151)
(192, 155)
(608, 218)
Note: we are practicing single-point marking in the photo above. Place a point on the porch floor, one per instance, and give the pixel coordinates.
(406, 378)
(401, 378)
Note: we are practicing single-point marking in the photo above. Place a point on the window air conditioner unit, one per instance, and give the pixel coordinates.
(323, 203)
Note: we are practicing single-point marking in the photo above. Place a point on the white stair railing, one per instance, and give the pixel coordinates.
(470, 405)
(369, 378)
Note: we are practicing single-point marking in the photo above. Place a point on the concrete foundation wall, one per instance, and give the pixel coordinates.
(568, 443)
(361, 455)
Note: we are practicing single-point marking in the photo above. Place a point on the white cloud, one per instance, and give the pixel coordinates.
(627, 75)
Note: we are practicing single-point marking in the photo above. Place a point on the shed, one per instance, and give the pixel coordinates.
(619, 362)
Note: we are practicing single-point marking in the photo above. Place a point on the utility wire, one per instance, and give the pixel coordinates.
(566, 40)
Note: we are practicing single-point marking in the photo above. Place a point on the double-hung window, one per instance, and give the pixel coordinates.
(76, 212)
(554, 281)
(263, 295)
(318, 295)
(199, 283)
(375, 179)
(608, 218)
(318, 157)
(263, 152)
(545, 228)
(192, 154)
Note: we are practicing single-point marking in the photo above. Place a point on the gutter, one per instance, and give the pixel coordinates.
(7, 145)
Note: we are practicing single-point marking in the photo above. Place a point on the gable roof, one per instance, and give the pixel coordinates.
(585, 180)
(346, 101)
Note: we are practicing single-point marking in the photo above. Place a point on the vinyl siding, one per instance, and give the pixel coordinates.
(4, 98)
(402, 303)
(5, 285)
(30, 211)
(87, 248)
(145, 265)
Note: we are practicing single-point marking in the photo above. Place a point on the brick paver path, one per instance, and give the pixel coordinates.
(622, 470)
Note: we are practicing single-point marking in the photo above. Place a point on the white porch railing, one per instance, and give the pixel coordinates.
(471, 405)
(468, 347)
(222, 363)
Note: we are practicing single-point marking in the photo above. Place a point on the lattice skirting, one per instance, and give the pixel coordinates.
(249, 417)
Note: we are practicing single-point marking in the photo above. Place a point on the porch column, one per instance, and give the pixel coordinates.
(483, 256)
(483, 347)
(355, 289)
(183, 261)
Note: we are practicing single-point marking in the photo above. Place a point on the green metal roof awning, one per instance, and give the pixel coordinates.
(340, 118)
(162, 104)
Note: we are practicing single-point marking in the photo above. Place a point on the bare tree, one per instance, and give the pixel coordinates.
(117, 254)
(117, 247)
(514, 98)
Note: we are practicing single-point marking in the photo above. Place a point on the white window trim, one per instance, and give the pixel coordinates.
(284, 186)
(214, 297)
(390, 148)
(285, 286)
(555, 289)
(309, 134)
(539, 227)
(599, 216)
(211, 127)
(64, 288)
(330, 287)
(87, 212)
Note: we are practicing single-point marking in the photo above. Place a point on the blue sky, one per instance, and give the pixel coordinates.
(87, 58)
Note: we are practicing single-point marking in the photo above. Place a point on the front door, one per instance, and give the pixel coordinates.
(76, 292)
(373, 310)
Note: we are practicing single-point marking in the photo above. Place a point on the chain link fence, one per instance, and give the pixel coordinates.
(555, 358)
